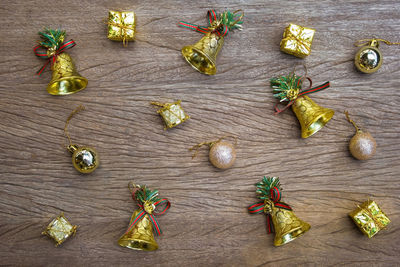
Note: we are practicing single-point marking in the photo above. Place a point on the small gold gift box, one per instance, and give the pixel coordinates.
(369, 218)
(172, 113)
(297, 40)
(60, 229)
(121, 26)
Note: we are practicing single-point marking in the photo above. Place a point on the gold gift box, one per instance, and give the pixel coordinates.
(173, 114)
(297, 40)
(60, 229)
(369, 218)
(121, 26)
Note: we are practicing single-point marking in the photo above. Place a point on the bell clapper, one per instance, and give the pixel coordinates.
(222, 154)
(84, 159)
(369, 58)
(362, 145)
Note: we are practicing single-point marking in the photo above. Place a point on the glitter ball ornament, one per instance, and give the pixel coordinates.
(222, 154)
(84, 159)
(368, 58)
(362, 145)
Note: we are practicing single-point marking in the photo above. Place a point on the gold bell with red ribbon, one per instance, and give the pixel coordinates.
(280, 217)
(202, 56)
(311, 116)
(65, 79)
(139, 235)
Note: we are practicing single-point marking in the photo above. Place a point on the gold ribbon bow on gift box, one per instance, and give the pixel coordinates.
(297, 40)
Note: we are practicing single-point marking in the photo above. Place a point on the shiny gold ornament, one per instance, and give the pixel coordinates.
(121, 26)
(60, 229)
(311, 116)
(286, 225)
(369, 218)
(171, 113)
(84, 159)
(65, 80)
(202, 56)
(362, 145)
(222, 154)
(139, 235)
(369, 59)
(297, 40)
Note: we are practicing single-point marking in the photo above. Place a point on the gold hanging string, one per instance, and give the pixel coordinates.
(133, 187)
(75, 111)
(211, 143)
(351, 121)
(367, 41)
(158, 104)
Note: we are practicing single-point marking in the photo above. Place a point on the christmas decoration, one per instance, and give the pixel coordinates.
(121, 26)
(368, 58)
(311, 116)
(66, 80)
(172, 113)
(139, 234)
(60, 229)
(362, 145)
(297, 40)
(202, 56)
(84, 159)
(285, 223)
(369, 218)
(222, 154)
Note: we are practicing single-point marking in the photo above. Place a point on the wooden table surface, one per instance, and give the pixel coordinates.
(208, 223)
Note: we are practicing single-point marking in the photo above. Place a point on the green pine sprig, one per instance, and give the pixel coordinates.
(281, 85)
(52, 38)
(145, 194)
(264, 187)
(228, 19)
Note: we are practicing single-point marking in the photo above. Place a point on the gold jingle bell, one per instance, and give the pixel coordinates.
(202, 56)
(140, 237)
(84, 158)
(369, 58)
(311, 116)
(65, 80)
(287, 225)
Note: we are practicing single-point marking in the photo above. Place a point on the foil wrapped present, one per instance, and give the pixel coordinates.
(60, 229)
(369, 218)
(121, 26)
(172, 113)
(297, 40)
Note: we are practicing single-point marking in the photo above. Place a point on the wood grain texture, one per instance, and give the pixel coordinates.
(208, 223)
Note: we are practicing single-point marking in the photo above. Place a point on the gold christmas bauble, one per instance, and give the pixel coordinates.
(84, 159)
(222, 155)
(362, 145)
(368, 58)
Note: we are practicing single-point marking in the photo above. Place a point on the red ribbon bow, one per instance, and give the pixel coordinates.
(51, 57)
